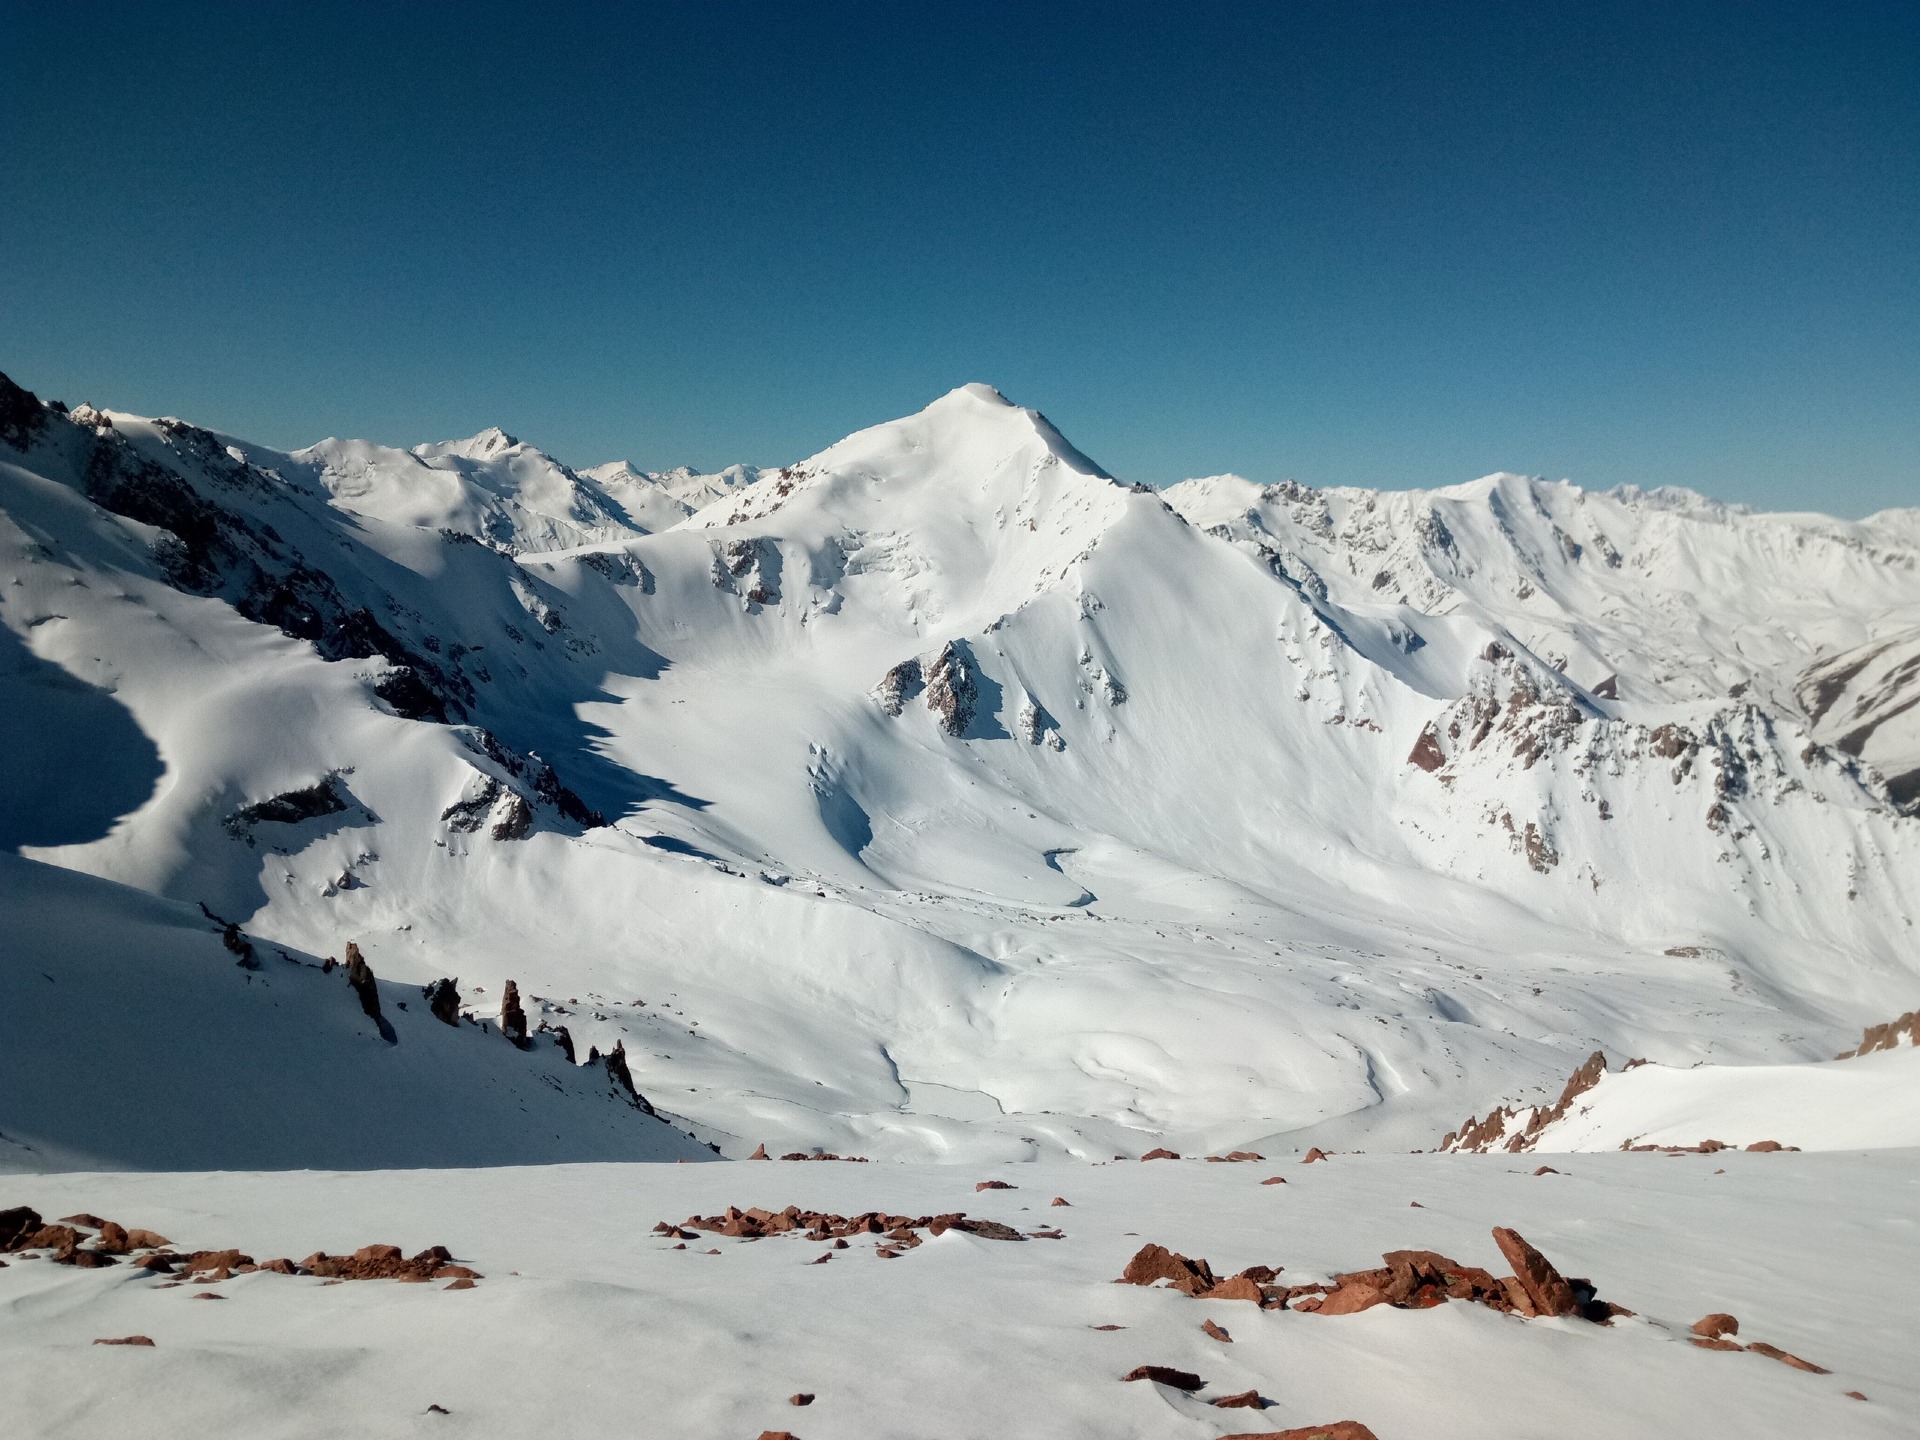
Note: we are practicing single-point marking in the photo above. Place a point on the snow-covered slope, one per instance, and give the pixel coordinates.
(940, 794)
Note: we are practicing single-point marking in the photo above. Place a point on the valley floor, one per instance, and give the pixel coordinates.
(585, 1324)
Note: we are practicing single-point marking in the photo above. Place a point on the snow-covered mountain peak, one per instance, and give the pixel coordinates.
(486, 445)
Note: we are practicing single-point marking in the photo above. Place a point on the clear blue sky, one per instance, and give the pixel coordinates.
(1351, 243)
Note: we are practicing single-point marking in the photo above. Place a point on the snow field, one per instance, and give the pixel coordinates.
(607, 1331)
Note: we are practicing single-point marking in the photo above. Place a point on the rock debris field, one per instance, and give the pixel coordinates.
(1628, 1294)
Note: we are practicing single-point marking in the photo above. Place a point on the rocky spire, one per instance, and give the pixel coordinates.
(513, 1019)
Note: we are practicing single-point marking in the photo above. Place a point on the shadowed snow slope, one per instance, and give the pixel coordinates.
(138, 1043)
(940, 795)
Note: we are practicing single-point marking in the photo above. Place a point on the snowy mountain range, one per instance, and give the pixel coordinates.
(939, 794)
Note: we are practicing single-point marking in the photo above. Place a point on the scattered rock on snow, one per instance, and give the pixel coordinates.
(1165, 1375)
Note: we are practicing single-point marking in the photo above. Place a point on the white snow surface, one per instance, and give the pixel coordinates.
(587, 1326)
(1230, 814)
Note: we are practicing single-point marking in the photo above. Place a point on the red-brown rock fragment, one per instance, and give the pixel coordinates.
(1245, 1400)
(1159, 1154)
(1166, 1375)
(1338, 1430)
(1545, 1286)
(127, 1340)
(1316, 1153)
(1774, 1352)
(1715, 1325)
(1154, 1263)
(803, 1398)
(1216, 1332)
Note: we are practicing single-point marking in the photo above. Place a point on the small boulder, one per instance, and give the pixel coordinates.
(1766, 1146)
(1245, 1400)
(1216, 1332)
(1160, 1155)
(1274, 1180)
(994, 1185)
(760, 1153)
(1154, 1263)
(803, 1398)
(1715, 1325)
(127, 1340)
(1545, 1286)
(1058, 1201)
(1316, 1153)
(1166, 1375)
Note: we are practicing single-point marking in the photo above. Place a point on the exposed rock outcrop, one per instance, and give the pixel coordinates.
(443, 1000)
(952, 691)
(513, 1018)
(1518, 1130)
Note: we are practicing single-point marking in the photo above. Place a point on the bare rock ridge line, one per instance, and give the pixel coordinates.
(1902, 1030)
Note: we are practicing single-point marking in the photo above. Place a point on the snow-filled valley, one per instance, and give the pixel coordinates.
(941, 798)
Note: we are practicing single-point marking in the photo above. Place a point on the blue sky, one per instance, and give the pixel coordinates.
(1349, 243)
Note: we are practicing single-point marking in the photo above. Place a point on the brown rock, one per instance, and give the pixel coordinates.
(1351, 1298)
(205, 1295)
(1154, 1263)
(15, 1225)
(778, 1435)
(1338, 1430)
(1274, 1180)
(803, 1398)
(1766, 1146)
(49, 1237)
(112, 1240)
(360, 978)
(1057, 1201)
(90, 1222)
(279, 1267)
(146, 1240)
(1545, 1286)
(760, 1153)
(1546, 1170)
(127, 1340)
(1316, 1153)
(513, 1018)
(463, 1283)
(1715, 1343)
(1109, 1327)
(1854, 1395)
(1239, 1287)
(1715, 1325)
(1245, 1400)
(83, 1259)
(1774, 1352)
(1160, 1155)
(1165, 1375)
(994, 1185)
(1244, 1155)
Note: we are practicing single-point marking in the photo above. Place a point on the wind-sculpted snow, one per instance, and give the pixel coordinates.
(941, 795)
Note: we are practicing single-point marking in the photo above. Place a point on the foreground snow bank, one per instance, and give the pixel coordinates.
(585, 1324)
